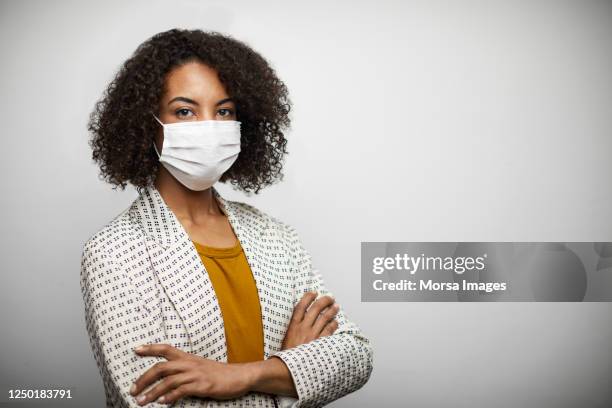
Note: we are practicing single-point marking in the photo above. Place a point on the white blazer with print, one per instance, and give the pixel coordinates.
(143, 282)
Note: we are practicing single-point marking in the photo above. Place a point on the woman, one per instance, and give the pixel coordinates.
(222, 297)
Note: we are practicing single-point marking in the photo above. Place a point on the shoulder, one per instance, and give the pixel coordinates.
(276, 230)
(257, 216)
(242, 209)
(110, 238)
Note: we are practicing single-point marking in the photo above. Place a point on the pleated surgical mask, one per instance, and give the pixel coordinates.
(197, 153)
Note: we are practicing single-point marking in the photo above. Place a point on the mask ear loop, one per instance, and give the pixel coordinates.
(154, 145)
(160, 122)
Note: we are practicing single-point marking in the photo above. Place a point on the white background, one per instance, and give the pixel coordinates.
(412, 121)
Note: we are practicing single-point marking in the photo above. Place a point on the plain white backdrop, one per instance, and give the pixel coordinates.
(412, 121)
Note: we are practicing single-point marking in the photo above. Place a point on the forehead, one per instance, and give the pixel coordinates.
(194, 80)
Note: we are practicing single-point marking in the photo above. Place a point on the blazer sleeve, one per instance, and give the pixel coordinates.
(329, 367)
(115, 326)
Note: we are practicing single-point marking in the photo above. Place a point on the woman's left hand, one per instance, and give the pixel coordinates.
(185, 374)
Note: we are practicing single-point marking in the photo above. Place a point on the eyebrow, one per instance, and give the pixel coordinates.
(191, 101)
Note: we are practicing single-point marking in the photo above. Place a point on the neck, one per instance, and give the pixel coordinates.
(185, 203)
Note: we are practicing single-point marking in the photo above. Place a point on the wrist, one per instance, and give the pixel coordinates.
(272, 376)
(254, 372)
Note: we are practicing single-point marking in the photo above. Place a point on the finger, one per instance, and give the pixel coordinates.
(330, 328)
(157, 371)
(325, 317)
(300, 308)
(163, 350)
(316, 308)
(166, 385)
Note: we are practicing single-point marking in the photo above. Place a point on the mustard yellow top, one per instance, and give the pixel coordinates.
(234, 285)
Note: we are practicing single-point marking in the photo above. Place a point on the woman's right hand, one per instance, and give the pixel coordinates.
(308, 324)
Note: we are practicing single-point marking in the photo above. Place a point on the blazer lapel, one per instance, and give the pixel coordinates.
(183, 276)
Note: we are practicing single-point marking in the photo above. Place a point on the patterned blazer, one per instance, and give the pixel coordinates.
(143, 282)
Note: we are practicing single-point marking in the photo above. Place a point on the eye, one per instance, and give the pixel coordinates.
(225, 112)
(183, 113)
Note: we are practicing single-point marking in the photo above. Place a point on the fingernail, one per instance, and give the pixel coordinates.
(161, 399)
(139, 349)
(133, 389)
(141, 398)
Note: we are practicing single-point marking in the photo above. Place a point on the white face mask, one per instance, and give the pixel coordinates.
(197, 153)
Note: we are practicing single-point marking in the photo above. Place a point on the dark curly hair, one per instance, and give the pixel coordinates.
(123, 128)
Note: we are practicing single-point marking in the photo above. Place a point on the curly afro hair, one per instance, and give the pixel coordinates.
(123, 128)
